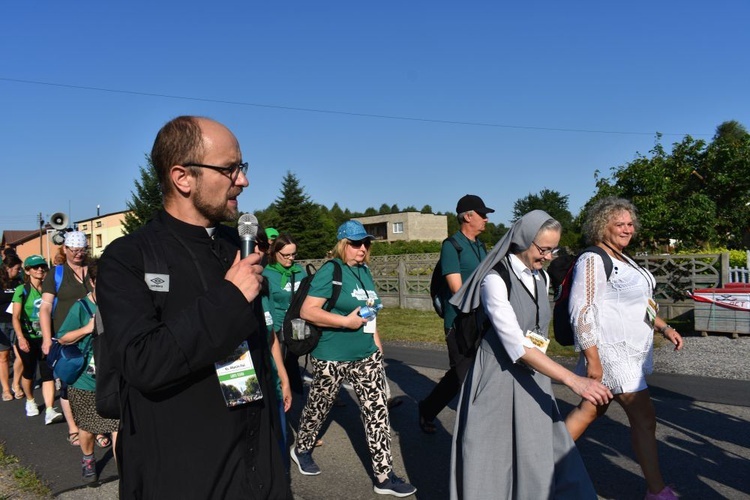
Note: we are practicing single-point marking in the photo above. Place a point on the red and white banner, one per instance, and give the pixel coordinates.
(722, 297)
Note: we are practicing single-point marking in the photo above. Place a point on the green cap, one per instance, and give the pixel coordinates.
(34, 260)
(271, 233)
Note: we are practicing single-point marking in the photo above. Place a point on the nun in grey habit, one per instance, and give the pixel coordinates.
(510, 440)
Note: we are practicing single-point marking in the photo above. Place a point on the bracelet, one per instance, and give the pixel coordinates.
(664, 329)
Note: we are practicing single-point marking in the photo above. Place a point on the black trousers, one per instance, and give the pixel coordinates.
(450, 385)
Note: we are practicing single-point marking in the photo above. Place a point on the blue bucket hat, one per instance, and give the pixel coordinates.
(352, 230)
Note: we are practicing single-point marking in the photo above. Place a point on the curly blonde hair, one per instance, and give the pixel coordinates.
(601, 213)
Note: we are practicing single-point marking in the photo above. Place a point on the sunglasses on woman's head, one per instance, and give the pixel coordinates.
(359, 243)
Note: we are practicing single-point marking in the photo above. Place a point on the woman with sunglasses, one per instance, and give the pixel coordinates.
(9, 279)
(26, 303)
(349, 349)
(509, 439)
(63, 286)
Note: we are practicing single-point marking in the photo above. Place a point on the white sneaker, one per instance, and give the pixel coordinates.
(51, 416)
(32, 409)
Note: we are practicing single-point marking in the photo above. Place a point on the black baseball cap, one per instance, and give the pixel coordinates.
(472, 202)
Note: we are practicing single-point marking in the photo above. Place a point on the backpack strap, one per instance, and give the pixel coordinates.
(456, 245)
(502, 269)
(336, 284)
(26, 291)
(59, 269)
(86, 306)
(606, 259)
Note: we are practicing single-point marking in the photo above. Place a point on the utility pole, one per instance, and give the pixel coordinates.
(41, 225)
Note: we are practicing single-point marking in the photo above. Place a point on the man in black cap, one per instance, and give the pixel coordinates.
(459, 256)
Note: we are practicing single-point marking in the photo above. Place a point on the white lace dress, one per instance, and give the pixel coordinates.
(612, 315)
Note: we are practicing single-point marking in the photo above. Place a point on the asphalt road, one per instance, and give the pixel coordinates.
(703, 432)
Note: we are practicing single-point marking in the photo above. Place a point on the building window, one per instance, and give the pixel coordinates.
(98, 241)
(98, 223)
(398, 227)
(84, 227)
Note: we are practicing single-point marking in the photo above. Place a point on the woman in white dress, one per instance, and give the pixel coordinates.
(614, 321)
(510, 440)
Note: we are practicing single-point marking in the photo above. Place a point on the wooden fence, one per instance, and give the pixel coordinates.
(404, 280)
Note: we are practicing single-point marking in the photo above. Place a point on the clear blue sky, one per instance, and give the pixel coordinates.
(407, 103)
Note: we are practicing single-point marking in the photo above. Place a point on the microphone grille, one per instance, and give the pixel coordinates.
(247, 225)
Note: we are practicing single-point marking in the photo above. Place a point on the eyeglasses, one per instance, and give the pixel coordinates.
(480, 214)
(359, 243)
(546, 251)
(40, 267)
(233, 171)
(78, 250)
(288, 255)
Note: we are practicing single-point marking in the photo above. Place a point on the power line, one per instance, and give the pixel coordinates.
(332, 112)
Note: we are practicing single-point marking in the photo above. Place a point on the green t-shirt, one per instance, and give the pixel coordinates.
(79, 317)
(279, 297)
(29, 311)
(357, 286)
(472, 253)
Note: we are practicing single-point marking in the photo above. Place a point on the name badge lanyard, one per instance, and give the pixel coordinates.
(534, 296)
(627, 260)
(369, 302)
(238, 369)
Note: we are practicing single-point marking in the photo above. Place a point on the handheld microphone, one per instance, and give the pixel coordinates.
(247, 226)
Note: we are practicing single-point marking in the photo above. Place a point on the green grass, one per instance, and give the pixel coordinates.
(408, 325)
(25, 479)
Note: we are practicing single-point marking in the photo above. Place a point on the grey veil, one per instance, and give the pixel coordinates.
(520, 235)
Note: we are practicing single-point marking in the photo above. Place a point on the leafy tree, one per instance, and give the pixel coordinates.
(410, 208)
(550, 201)
(395, 209)
(384, 209)
(427, 209)
(339, 216)
(726, 181)
(368, 212)
(731, 131)
(146, 200)
(667, 189)
(492, 233)
(554, 204)
(304, 220)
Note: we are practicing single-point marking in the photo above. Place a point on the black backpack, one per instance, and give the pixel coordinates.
(108, 380)
(438, 283)
(312, 333)
(470, 327)
(561, 314)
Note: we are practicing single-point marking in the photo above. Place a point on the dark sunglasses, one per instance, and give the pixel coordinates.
(40, 266)
(359, 243)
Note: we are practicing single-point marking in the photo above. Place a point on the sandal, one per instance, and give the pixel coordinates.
(18, 393)
(7, 396)
(102, 441)
(394, 402)
(73, 439)
(427, 426)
